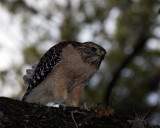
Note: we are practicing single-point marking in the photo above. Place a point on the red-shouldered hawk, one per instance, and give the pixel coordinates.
(63, 72)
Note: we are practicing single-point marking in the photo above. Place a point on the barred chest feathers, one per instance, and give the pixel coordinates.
(63, 70)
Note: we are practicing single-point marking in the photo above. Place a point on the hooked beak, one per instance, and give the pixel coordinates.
(101, 53)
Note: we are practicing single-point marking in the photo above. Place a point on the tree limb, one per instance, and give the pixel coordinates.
(139, 46)
(17, 114)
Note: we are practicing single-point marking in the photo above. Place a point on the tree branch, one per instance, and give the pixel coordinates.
(140, 44)
(17, 114)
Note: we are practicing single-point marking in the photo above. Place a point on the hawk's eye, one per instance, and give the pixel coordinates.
(94, 49)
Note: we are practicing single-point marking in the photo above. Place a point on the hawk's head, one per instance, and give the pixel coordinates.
(92, 53)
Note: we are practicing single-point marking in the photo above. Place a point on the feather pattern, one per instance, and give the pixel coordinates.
(63, 71)
(41, 70)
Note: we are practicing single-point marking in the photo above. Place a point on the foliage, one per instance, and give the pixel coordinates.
(131, 68)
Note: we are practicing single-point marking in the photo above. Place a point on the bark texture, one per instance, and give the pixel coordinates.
(17, 114)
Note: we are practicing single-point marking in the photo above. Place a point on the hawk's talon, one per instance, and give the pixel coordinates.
(67, 102)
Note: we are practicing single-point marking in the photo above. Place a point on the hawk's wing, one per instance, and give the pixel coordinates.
(41, 70)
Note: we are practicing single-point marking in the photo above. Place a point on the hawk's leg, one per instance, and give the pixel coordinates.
(67, 102)
(76, 94)
(60, 92)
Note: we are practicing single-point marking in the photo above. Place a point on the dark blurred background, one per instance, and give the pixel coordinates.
(129, 77)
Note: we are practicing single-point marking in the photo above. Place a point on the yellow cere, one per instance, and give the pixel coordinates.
(102, 52)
